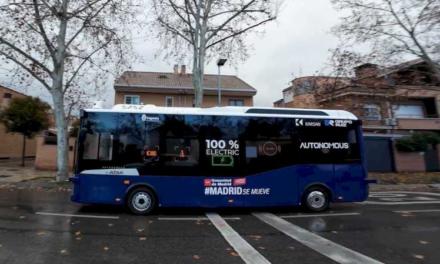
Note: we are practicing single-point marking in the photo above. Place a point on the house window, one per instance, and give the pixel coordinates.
(169, 101)
(7, 95)
(236, 102)
(408, 111)
(372, 112)
(132, 99)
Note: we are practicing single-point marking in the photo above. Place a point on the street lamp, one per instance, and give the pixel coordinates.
(220, 63)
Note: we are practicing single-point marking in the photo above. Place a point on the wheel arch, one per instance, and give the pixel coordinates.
(320, 185)
(135, 186)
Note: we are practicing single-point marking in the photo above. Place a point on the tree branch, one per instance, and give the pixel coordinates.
(214, 33)
(24, 54)
(84, 60)
(86, 22)
(239, 32)
(42, 32)
(26, 68)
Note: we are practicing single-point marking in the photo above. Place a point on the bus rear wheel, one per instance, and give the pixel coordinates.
(316, 199)
(141, 201)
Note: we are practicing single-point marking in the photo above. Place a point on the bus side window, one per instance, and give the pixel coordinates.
(326, 145)
(268, 144)
(269, 154)
(91, 143)
(105, 146)
(98, 146)
(181, 152)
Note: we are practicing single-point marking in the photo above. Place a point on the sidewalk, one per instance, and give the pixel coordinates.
(12, 172)
(420, 187)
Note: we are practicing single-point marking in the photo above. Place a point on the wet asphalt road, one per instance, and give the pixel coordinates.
(45, 227)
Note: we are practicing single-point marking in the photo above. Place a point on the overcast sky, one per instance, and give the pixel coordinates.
(295, 45)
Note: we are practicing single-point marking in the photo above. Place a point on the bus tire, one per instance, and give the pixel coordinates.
(141, 201)
(316, 199)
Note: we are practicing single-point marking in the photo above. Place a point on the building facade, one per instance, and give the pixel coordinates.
(176, 89)
(11, 143)
(392, 102)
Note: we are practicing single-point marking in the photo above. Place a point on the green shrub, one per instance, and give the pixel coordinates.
(417, 142)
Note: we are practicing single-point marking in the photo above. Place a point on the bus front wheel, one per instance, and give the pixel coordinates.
(316, 199)
(141, 201)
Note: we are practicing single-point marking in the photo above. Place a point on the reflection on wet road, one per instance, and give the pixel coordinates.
(45, 227)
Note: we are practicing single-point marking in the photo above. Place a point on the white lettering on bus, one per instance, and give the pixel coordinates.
(236, 191)
(324, 145)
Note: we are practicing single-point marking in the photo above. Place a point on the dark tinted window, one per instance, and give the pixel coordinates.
(222, 144)
(326, 144)
(211, 145)
(97, 137)
(154, 144)
(268, 144)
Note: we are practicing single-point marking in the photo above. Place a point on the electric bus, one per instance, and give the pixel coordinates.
(144, 157)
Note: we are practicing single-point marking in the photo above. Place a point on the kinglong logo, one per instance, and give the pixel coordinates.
(324, 145)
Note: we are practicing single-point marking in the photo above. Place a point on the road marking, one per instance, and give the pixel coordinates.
(242, 247)
(403, 198)
(78, 215)
(323, 246)
(418, 211)
(407, 192)
(193, 218)
(317, 215)
(399, 203)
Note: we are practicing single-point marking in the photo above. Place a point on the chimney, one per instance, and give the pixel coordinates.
(366, 70)
(183, 69)
(176, 69)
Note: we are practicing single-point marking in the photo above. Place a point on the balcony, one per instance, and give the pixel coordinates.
(418, 123)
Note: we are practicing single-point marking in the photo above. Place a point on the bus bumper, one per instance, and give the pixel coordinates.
(75, 190)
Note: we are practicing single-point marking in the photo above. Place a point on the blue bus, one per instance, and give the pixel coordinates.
(146, 157)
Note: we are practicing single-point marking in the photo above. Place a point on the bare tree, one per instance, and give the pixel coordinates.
(209, 27)
(57, 41)
(393, 28)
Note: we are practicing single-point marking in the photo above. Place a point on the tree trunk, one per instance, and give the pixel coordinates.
(198, 73)
(58, 98)
(62, 138)
(199, 51)
(197, 80)
(198, 87)
(23, 150)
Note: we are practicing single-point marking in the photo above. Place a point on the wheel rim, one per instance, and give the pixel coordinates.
(316, 199)
(141, 201)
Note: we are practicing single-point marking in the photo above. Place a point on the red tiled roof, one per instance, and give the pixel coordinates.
(135, 79)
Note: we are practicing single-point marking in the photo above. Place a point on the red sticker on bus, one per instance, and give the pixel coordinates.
(239, 181)
(207, 182)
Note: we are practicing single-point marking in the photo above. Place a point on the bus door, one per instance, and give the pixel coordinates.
(270, 172)
(350, 170)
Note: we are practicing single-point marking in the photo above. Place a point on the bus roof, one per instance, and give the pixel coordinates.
(231, 111)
